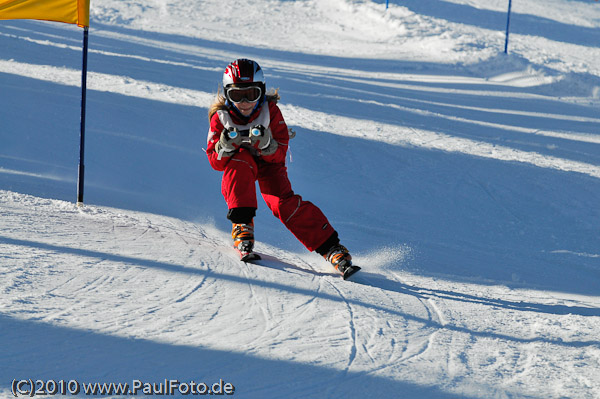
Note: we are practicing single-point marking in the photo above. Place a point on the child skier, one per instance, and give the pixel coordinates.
(248, 141)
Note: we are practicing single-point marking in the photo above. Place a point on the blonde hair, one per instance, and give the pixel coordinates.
(220, 101)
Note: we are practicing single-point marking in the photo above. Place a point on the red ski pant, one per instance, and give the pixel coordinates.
(304, 219)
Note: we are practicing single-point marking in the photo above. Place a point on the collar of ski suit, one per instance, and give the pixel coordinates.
(263, 118)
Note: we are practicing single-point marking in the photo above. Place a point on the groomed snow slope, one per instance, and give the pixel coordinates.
(465, 181)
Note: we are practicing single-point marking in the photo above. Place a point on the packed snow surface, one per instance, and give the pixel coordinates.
(465, 181)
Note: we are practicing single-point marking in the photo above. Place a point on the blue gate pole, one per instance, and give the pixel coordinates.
(507, 25)
(80, 177)
(387, 2)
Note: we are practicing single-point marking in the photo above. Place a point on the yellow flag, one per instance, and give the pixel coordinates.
(68, 11)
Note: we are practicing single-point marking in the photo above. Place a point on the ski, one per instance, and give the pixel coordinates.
(349, 271)
(249, 256)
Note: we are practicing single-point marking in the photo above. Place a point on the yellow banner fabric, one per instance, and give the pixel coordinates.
(68, 11)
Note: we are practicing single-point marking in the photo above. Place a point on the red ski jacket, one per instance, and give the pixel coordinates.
(277, 125)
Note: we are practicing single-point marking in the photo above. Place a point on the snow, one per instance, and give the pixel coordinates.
(465, 182)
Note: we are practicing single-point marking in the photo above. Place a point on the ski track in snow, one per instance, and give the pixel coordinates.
(110, 253)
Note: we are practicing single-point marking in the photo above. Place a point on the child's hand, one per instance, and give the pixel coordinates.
(229, 142)
(262, 140)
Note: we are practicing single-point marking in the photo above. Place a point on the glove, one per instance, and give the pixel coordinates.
(229, 142)
(262, 140)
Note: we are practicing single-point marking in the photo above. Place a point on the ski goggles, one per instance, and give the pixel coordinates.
(238, 94)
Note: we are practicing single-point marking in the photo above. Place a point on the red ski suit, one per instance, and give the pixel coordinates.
(245, 167)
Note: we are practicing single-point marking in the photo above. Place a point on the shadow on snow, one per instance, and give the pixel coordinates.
(365, 278)
(38, 350)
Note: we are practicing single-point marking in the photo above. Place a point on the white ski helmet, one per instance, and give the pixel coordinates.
(239, 77)
(243, 72)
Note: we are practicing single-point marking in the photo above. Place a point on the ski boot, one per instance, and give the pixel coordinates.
(341, 259)
(243, 241)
